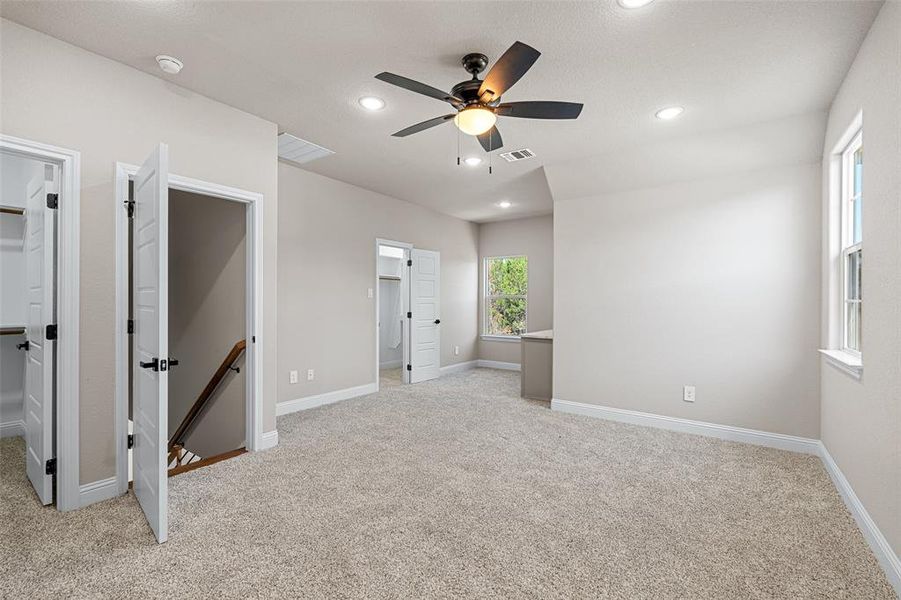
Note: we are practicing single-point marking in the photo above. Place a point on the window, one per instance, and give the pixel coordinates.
(506, 295)
(851, 253)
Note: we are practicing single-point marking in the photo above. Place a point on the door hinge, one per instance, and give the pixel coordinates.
(52, 200)
(50, 467)
(409, 262)
(50, 333)
(253, 339)
(130, 208)
(409, 315)
(130, 327)
(131, 441)
(409, 367)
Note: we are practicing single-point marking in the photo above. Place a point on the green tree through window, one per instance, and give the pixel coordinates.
(506, 285)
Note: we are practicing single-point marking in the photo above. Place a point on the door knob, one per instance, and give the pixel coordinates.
(437, 321)
(173, 362)
(153, 364)
(24, 346)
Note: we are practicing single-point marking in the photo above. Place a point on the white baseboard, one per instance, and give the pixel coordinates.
(390, 364)
(459, 367)
(723, 432)
(495, 364)
(878, 544)
(269, 439)
(12, 429)
(98, 491)
(290, 406)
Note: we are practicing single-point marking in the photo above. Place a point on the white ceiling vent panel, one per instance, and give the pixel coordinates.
(299, 151)
(517, 155)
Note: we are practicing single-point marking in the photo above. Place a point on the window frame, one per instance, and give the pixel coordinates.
(848, 246)
(487, 298)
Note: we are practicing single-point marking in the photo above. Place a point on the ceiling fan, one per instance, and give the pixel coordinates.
(478, 102)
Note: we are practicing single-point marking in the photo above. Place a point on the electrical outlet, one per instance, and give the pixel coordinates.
(292, 377)
(456, 350)
(310, 374)
(688, 393)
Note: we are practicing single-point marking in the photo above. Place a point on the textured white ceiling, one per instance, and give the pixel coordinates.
(303, 65)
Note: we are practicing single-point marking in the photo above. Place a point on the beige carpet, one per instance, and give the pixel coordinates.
(456, 488)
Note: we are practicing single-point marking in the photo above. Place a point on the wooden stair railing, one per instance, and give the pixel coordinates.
(177, 439)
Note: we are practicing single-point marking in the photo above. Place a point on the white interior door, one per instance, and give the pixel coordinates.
(425, 304)
(40, 236)
(151, 338)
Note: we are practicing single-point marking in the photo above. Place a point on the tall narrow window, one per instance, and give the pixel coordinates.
(851, 255)
(506, 295)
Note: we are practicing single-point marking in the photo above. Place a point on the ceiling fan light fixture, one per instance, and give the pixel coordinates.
(475, 120)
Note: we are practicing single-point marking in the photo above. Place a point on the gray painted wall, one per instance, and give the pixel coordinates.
(861, 420)
(532, 237)
(110, 112)
(207, 276)
(326, 244)
(712, 283)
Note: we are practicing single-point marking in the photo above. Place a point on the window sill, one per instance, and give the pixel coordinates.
(500, 338)
(844, 362)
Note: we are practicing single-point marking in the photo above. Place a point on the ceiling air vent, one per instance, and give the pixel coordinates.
(517, 155)
(299, 151)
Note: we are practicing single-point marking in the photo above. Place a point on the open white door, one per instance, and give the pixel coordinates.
(40, 236)
(425, 304)
(151, 338)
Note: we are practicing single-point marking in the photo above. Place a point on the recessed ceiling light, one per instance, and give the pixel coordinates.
(669, 113)
(372, 103)
(505, 204)
(473, 161)
(634, 3)
(169, 64)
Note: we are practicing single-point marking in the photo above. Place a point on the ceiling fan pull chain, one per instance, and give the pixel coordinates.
(458, 147)
(490, 145)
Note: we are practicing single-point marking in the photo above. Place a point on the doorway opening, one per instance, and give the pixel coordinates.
(392, 302)
(188, 351)
(38, 329)
(407, 314)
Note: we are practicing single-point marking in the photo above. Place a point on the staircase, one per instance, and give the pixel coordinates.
(180, 459)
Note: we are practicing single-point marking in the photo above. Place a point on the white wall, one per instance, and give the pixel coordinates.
(110, 112)
(390, 356)
(861, 420)
(534, 238)
(712, 283)
(326, 244)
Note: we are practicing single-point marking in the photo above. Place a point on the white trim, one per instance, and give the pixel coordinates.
(887, 558)
(269, 440)
(12, 429)
(500, 338)
(290, 406)
(254, 306)
(724, 432)
(405, 296)
(844, 362)
(495, 364)
(67, 310)
(459, 367)
(98, 491)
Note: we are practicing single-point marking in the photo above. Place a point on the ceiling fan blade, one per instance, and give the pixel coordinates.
(540, 110)
(508, 69)
(491, 139)
(423, 126)
(419, 88)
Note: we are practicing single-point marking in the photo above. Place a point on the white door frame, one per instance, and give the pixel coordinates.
(405, 294)
(67, 302)
(254, 304)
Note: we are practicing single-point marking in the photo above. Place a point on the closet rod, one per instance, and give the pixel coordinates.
(389, 277)
(12, 210)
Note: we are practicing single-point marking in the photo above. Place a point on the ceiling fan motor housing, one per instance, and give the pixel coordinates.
(467, 91)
